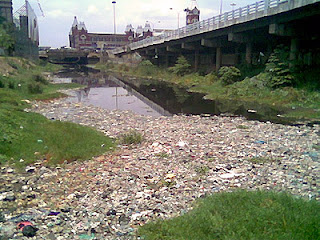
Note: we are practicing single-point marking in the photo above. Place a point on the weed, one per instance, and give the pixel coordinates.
(2, 85)
(202, 170)
(162, 155)
(242, 127)
(35, 88)
(11, 85)
(259, 160)
(241, 215)
(131, 137)
(40, 79)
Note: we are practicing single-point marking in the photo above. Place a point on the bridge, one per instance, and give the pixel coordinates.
(66, 56)
(245, 35)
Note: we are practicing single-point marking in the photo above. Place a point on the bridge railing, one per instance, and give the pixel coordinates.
(240, 15)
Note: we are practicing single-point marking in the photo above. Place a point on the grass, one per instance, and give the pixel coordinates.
(131, 137)
(299, 102)
(30, 136)
(241, 215)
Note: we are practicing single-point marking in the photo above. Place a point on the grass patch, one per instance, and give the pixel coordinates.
(258, 160)
(244, 127)
(130, 138)
(241, 215)
(30, 136)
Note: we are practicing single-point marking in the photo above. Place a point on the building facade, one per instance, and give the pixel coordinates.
(6, 10)
(81, 39)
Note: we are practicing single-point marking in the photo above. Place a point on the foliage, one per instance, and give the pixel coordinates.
(23, 133)
(6, 40)
(40, 79)
(278, 68)
(146, 63)
(182, 67)
(229, 75)
(35, 88)
(131, 137)
(241, 215)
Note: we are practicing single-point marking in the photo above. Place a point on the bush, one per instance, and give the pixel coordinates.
(35, 88)
(11, 85)
(2, 85)
(278, 68)
(146, 63)
(182, 67)
(229, 75)
(40, 79)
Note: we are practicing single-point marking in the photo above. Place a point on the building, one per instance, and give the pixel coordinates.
(6, 10)
(193, 13)
(80, 38)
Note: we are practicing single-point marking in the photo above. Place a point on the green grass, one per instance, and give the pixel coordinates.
(30, 136)
(301, 102)
(131, 137)
(241, 215)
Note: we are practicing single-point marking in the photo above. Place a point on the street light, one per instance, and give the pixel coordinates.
(178, 17)
(114, 16)
(233, 5)
(220, 7)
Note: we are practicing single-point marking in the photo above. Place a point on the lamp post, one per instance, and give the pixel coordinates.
(233, 5)
(114, 16)
(220, 7)
(178, 17)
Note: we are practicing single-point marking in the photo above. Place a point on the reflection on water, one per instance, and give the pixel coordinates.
(156, 98)
(109, 93)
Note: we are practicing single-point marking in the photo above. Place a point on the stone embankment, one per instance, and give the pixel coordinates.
(182, 158)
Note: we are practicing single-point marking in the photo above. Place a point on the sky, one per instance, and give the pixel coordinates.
(98, 15)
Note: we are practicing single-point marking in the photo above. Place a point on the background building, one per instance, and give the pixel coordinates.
(6, 10)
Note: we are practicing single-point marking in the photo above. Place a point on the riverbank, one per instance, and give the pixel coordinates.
(26, 137)
(182, 158)
(299, 104)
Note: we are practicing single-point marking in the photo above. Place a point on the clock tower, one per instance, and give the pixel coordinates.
(193, 13)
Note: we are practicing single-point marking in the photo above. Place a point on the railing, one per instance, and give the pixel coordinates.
(240, 15)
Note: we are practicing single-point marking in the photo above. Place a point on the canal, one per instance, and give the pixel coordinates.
(156, 98)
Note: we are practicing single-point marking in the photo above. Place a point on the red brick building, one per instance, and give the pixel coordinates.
(80, 38)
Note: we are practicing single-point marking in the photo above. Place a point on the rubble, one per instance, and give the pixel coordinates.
(181, 159)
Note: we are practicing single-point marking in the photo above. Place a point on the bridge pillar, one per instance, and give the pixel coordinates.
(196, 60)
(167, 60)
(218, 58)
(294, 49)
(249, 53)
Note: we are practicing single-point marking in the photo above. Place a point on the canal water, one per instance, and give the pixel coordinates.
(154, 98)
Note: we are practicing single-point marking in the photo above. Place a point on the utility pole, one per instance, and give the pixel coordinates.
(114, 16)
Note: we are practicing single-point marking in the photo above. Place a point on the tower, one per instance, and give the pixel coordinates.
(193, 13)
(129, 32)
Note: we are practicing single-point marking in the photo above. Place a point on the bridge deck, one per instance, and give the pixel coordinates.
(248, 13)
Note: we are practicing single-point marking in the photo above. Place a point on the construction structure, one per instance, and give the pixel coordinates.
(6, 11)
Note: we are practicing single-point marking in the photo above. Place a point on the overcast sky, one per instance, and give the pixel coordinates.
(98, 15)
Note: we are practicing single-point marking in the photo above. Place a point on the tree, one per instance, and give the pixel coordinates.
(6, 40)
(182, 66)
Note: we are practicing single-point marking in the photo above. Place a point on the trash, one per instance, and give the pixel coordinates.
(2, 219)
(40, 141)
(30, 169)
(86, 236)
(27, 229)
(260, 142)
(53, 213)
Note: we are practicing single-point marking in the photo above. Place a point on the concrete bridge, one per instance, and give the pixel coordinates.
(245, 35)
(65, 56)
